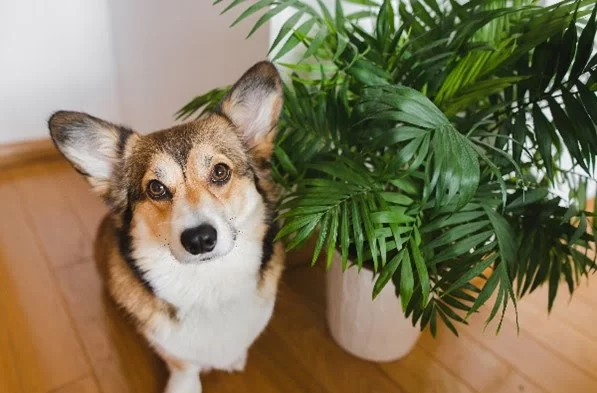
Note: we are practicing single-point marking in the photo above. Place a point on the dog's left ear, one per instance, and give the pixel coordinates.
(94, 147)
(254, 104)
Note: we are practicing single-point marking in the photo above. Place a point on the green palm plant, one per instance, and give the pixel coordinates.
(431, 146)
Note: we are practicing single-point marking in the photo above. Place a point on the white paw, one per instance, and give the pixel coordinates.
(183, 382)
(239, 364)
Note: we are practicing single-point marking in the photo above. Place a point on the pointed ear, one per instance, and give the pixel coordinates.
(254, 104)
(93, 146)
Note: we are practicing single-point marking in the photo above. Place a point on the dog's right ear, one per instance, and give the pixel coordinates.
(93, 146)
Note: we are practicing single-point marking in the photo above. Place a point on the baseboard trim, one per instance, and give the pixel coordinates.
(22, 153)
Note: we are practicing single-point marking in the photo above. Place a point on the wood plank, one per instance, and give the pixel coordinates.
(474, 363)
(272, 356)
(66, 246)
(550, 372)
(133, 361)
(119, 355)
(587, 290)
(420, 373)
(83, 291)
(557, 335)
(304, 333)
(574, 312)
(9, 380)
(87, 206)
(35, 318)
(26, 152)
(263, 373)
(85, 385)
(112, 379)
(477, 366)
(515, 383)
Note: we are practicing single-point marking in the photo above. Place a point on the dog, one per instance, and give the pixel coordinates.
(188, 247)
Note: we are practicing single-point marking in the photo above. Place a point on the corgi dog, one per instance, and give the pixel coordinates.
(187, 249)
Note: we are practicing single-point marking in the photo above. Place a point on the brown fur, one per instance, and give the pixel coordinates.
(122, 285)
(270, 276)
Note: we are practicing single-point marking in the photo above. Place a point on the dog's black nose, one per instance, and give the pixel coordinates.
(199, 240)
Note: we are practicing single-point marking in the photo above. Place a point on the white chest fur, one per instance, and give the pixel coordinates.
(214, 338)
(220, 311)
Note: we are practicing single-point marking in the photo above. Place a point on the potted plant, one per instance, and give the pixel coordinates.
(431, 149)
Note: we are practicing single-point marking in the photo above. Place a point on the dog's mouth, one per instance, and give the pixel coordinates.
(198, 259)
(207, 258)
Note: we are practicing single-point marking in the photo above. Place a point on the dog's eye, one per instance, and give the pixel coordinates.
(220, 174)
(157, 190)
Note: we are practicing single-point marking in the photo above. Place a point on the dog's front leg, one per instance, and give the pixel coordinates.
(184, 376)
(184, 381)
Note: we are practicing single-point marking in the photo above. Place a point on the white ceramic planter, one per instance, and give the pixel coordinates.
(374, 330)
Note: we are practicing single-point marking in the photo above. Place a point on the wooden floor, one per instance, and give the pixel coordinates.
(59, 335)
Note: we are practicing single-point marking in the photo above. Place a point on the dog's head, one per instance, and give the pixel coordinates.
(192, 189)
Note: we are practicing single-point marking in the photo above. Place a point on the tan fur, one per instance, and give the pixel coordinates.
(104, 242)
(155, 215)
(270, 277)
(122, 285)
(205, 157)
(172, 362)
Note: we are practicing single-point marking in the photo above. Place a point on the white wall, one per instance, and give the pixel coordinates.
(170, 51)
(53, 54)
(130, 61)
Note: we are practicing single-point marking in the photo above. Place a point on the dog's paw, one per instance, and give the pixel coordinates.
(183, 382)
(238, 365)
